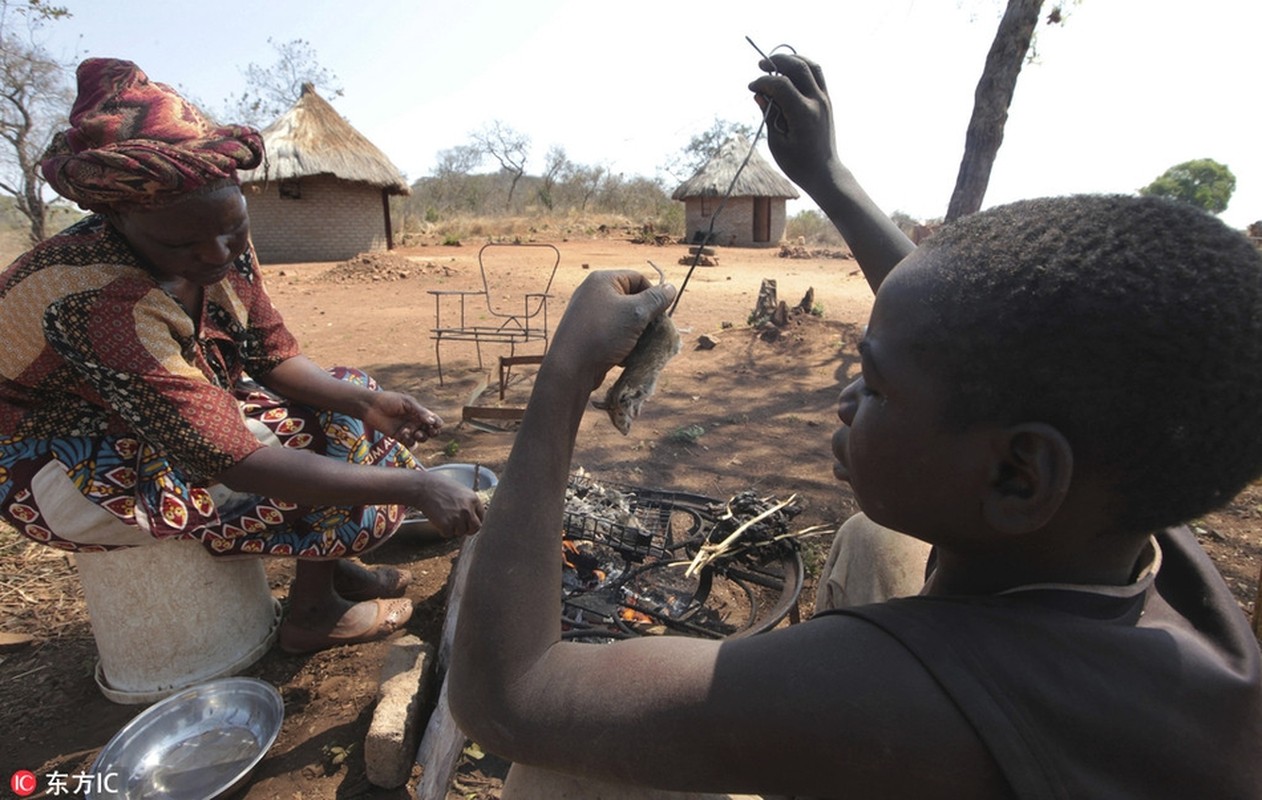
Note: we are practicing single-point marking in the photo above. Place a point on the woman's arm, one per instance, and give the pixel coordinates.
(395, 414)
(801, 136)
(309, 479)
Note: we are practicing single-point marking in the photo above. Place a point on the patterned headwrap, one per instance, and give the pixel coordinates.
(137, 142)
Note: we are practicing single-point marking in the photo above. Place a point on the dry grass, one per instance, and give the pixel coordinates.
(39, 589)
(480, 229)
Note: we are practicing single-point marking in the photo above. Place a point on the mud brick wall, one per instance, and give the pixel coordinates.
(735, 224)
(314, 219)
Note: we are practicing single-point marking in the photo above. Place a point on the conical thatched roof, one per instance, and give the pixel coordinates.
(758, 179)
(311, 138)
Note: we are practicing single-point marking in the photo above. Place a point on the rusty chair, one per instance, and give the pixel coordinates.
(486, 316)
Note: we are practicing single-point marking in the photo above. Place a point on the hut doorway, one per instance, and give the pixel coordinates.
(762, 219)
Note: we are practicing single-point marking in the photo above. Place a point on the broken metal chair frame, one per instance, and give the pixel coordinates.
(529, 323)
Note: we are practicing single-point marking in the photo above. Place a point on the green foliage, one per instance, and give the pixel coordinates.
(689, 434)
(452, 448)
(812, 227)
(1203, 182)
(904, 220)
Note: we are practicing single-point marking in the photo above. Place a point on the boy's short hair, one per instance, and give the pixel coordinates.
(1131, 324)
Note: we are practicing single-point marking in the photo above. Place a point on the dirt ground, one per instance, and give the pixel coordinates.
(754, 412)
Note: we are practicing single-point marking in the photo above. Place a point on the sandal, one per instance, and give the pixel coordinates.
(381, 583)
(391, 616)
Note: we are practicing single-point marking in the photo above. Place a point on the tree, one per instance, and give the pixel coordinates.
(1203, 182)
(509, 148)
(556, 166)
(702, 147)
(586, 182)
(35, 97)
(990, 103)
(272, 90)
(451, 186)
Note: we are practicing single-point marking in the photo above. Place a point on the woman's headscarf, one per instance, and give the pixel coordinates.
(137, 142)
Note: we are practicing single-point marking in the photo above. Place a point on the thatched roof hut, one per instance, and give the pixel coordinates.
(754, 215)
(322, 192)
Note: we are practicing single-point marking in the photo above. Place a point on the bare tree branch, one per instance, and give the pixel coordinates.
(35, 99)
(509, 148)
(273, 89)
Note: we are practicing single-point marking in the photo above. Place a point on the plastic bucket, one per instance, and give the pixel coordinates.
(169, 615)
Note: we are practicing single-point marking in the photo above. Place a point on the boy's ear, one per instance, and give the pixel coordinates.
(1032, 471)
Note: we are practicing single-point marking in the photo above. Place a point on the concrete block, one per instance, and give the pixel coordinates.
(403, 696)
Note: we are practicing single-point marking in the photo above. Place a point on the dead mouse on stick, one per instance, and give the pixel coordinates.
(640, 370)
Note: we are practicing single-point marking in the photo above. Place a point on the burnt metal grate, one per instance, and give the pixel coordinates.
(636, 521)
(626, 551)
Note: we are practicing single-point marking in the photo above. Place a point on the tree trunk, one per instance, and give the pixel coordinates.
(990, 105)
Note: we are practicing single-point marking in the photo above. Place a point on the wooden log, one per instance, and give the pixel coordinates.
(443, 740)
(491, 412)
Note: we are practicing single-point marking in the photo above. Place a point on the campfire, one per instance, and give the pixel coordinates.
(641, 561)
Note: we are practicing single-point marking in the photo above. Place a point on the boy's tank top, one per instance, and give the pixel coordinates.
(1147, 691)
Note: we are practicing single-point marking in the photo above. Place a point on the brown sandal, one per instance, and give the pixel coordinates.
(391, 615)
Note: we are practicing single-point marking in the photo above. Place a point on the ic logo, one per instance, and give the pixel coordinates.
(23, 783)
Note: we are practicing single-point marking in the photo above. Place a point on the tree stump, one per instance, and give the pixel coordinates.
(766, 304)
(780, 317)
(808, 301)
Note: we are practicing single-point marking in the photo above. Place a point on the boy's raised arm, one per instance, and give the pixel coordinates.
(801, 137)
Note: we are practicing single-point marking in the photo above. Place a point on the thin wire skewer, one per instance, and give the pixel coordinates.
(762, 125)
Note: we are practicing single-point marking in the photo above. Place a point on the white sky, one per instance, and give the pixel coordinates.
(1122, 91)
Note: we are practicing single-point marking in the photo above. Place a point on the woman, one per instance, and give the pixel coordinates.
(125, 342)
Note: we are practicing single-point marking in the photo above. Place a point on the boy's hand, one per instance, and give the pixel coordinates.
(800, 127)
(603, 321)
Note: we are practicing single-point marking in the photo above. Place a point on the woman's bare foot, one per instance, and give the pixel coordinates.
(355, 582)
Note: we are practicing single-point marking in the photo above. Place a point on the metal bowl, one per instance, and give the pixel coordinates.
(197, 744)
(417, 524)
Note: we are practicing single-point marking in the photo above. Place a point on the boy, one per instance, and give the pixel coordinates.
(1016, 411)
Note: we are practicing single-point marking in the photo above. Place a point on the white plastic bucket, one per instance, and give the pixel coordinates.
(169, 615)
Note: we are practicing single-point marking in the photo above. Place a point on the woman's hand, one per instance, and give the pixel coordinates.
(603, 321)
(800, 127)
(454, 509)
(401, 417)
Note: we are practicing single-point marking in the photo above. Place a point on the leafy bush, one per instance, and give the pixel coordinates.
(812, 227)
(1202, 182)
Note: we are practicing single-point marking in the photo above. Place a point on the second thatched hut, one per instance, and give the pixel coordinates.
(322, 192)
(754, 214)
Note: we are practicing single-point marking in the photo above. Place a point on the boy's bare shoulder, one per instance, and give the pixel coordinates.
(850, 689)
